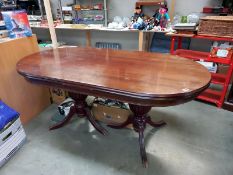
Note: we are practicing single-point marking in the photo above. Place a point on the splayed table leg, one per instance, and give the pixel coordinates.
(80, 108)
(139, 121)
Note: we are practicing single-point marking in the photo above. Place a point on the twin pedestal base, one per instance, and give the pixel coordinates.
(139, 119)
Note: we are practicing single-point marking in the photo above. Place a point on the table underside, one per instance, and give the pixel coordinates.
(139, 119)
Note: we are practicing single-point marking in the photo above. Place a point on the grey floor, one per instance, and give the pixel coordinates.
(198, 140)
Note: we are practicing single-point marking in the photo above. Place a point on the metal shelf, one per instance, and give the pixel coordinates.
(218, 78)
(210, 95)
(103, 11)
(213, 96)
(205, 56)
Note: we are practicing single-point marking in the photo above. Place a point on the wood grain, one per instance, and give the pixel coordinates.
(141, 78)
(27, 99)
(141, 41)
(172, 9)
(49, 17)
(88, 38)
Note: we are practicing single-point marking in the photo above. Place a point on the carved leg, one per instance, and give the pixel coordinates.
(81, 108)
(139, 124)
(140, 119)
(143, 149)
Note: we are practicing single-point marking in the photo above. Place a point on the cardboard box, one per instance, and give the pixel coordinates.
(9, 131)
(110, 115)
(13, 139)
(58, 95)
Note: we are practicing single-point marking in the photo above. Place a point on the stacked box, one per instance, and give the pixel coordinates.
(12, 135)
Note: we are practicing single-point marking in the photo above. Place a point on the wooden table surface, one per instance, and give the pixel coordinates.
(140, 77)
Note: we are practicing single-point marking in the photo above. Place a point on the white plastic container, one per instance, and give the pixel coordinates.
(12, 139)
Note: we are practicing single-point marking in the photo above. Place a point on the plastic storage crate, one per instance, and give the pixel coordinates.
(12, 135)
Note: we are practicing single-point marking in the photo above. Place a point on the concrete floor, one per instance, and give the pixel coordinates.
(198, 140)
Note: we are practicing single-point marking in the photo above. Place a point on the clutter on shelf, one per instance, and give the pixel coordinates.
(67, 15)
(91, 12)
(119, 23)
(8, 4)
(211, 66)
(160, 21)
(224, 50)
(162, 17)
(186, 24)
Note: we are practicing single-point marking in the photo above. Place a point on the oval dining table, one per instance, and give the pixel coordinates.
(141, 79)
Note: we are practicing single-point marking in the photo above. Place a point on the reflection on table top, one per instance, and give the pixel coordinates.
(134, 72)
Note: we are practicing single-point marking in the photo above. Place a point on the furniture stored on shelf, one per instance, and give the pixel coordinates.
(142, 79)
(27, 99)
(210, 95)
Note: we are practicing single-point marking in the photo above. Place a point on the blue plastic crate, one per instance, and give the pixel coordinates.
(7, 114)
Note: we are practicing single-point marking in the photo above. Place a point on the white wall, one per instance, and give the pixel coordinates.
(126, 7)
(185, 7)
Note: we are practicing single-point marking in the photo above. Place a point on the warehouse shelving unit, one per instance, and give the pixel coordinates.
(89, 12)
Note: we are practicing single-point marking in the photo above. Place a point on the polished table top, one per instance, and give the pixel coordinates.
(137, 77)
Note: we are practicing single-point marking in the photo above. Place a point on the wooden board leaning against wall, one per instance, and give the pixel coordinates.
(29, 100)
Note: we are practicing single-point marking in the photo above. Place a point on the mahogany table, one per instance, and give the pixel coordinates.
(142, 79)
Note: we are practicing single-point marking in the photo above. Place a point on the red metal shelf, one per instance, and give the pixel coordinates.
(194, 55)
(205, 56)
(219, 60)
(211, 96)
(214, 38)
(218, 79)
